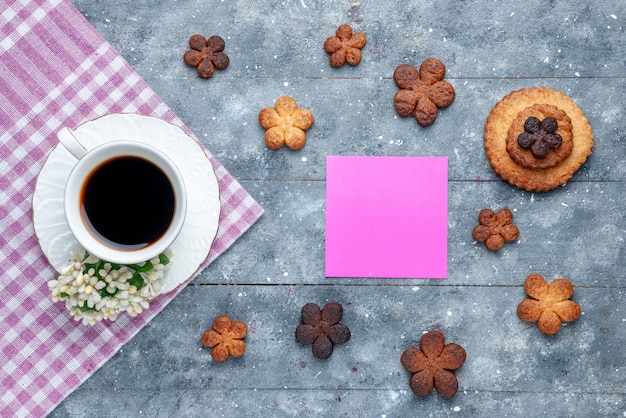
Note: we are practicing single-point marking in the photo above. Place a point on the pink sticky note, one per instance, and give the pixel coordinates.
(387, 217)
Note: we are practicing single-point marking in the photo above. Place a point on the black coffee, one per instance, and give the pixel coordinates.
(128, 202)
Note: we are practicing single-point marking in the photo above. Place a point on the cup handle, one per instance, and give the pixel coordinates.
(67, 138)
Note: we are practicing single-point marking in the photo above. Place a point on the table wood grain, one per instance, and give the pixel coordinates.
(577, 231)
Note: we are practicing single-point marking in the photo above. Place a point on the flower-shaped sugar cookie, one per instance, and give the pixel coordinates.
(422, 92)
(549, 304)
(345, 46)
(433, 365)
(322, 328)
(206, 55)
(494, 229)
(285, 124)
(226, 338)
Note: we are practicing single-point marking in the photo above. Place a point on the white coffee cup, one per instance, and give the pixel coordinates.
(125, 201)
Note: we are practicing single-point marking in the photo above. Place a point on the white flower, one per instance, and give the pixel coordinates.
(94, 290)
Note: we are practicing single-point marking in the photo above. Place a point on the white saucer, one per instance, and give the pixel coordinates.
(192, 245)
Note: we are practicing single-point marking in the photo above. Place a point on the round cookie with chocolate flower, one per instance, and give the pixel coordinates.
(537, 138)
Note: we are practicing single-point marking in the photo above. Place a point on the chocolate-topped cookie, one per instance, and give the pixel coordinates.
(517, 164)
(530, 144)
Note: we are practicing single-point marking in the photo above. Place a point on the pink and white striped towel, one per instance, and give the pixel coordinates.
(55, 71)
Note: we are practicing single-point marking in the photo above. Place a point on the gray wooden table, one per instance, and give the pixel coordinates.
(490, 48)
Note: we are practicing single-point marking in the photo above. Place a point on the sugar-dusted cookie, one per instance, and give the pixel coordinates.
(322, 328)
(495, 228)
(422, 92)
(432, 366)
(345, 46)
(226, 338)
(509, 145)
(548, 304)
(285, 123)
(206, 54)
